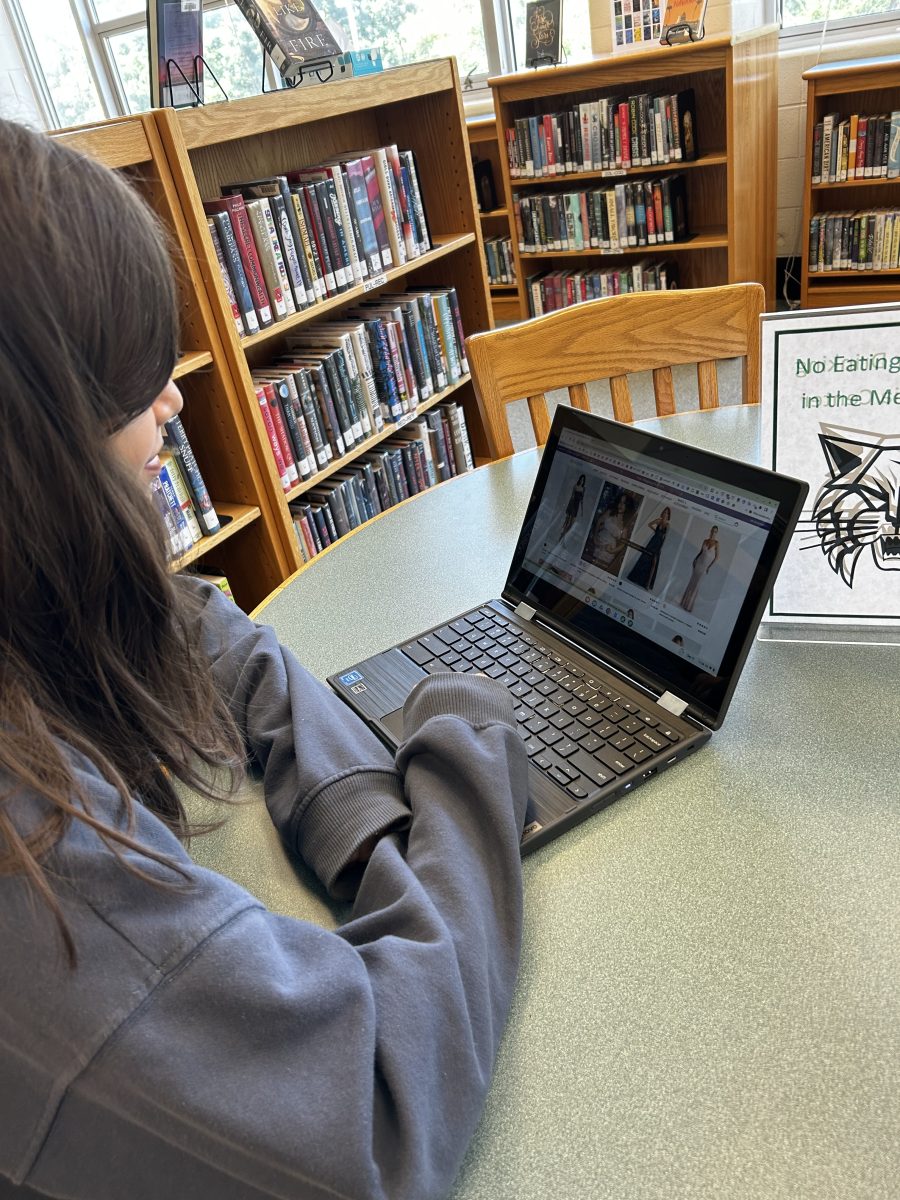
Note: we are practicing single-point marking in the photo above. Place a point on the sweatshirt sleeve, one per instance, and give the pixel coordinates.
(330, 784)
(277, 1059)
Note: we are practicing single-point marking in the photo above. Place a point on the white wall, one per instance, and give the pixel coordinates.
(17, 101)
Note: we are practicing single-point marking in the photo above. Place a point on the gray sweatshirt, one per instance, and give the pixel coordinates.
(207, 1048)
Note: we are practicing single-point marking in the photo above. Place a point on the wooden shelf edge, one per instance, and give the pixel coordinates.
(851, 274)
(700, 241)
(717, 159)
(444, 245)
(371, 442)
(870, 181)
(192, 360)
(241, 516)
(494, 213)
(504, 287)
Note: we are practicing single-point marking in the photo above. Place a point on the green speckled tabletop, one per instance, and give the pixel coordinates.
(708, 999)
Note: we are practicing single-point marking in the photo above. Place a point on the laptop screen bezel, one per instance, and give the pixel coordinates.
(639, 658)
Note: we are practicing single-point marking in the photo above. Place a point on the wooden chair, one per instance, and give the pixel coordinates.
(612, 339)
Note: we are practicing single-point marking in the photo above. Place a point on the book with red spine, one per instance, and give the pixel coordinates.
(280, 466)
(243, 232)
(284, 441)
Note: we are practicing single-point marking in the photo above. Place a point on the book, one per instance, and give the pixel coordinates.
(292, 32)
(175, 42)
(226, 278)
(683, 21)
(243, 232)
(543, 33)
(235, 268)
(177, 440)
(182, 495)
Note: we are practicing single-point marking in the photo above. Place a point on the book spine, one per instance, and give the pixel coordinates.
(274, 442)
(310, 249)
(321, 449)
(389, 201)
(232, 255)
(168, 517)
(183, 541)
(260, 216)
(243, 232)
(284, 441)
(203, 505)
(342, 233)
(403, 201)
(317, 228)
(182, 495)
(293, 274)
(425, 243)
(226, 277)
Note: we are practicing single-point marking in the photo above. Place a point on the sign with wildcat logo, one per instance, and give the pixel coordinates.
(831, 416)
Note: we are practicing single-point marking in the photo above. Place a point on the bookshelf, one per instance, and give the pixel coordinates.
(417, 107)
(252, 547)
(730, 187)
(497, 222)
(866, 86)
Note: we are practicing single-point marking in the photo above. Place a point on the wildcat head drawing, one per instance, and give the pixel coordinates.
(859, 505)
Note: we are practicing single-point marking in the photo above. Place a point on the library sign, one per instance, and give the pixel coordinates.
(831, 416)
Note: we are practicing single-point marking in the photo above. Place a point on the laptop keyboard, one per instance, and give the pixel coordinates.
(578, 729)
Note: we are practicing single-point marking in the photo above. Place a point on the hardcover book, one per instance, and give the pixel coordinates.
(292, 32)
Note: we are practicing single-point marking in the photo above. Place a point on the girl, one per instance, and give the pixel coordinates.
(161, 1034)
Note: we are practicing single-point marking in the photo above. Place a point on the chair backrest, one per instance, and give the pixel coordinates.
(612, 339)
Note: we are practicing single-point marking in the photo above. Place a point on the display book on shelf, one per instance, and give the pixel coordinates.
(216, 504)
(274, 146)
(496, 223)
(851, 193)
(692, 124)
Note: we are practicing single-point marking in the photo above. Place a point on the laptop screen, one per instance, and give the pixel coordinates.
(657, 555)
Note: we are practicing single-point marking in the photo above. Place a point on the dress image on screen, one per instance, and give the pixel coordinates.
(644, 571)
(611, 528)
(704, 561)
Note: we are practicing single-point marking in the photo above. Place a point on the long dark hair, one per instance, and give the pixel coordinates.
(96, 653)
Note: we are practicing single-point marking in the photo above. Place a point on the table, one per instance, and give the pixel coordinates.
(707, 1005)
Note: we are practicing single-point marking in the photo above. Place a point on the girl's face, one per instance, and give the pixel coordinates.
(138, 444)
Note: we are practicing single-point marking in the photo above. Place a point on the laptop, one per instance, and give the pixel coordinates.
(638, 580)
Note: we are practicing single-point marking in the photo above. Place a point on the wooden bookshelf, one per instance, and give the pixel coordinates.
(253, 547)
(730, 187)
(417, 107)
(496, 222)
(867, 86)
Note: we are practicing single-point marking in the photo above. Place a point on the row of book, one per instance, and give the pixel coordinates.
(639, 213)
(855, 241)
(180, 493)
(425, 451)
(498, 255)
(856, 147)
(289, 242)
(612, 133)
(550, 290)
(340, 382)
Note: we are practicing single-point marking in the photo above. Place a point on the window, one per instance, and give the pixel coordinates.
(88, 58)
(810, 15)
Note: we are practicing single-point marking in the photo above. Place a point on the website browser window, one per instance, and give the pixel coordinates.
(668, 553)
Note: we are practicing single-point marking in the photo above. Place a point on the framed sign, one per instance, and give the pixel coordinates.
(831, 416)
